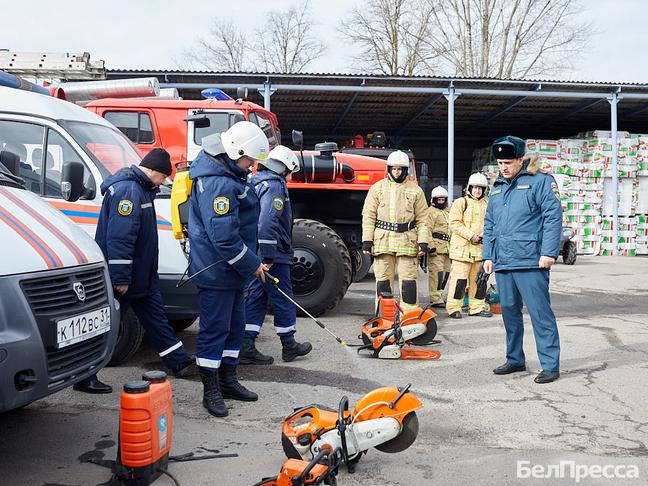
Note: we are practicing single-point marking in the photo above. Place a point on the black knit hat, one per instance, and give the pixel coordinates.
(159, 160)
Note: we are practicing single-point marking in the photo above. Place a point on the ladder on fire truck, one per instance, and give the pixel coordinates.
(52, 66)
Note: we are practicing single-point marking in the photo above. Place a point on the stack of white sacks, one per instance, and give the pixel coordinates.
(582, 167)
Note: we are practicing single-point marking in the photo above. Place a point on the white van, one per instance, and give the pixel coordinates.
(46, 133)
(58, 318)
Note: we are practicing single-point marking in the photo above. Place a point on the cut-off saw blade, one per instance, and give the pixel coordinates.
(406, 438)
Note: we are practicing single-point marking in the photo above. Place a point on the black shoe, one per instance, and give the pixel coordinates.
(251, 355)
(230, 386)
(438, 305)
(547, 376)
(187, 369)
(294, 350)
(508, 368)
(92, 385)
(455, 315)
(212, 397)
(482, 313)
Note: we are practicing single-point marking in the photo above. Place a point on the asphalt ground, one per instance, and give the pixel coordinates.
(475, 428)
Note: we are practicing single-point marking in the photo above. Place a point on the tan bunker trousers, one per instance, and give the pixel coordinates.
(438, 272)
(385, 268)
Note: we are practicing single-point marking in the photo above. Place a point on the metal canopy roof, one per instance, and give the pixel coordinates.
(435, 117)
(413, 110)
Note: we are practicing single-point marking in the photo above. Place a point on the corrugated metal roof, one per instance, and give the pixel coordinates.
(367, 76)
(418, 120)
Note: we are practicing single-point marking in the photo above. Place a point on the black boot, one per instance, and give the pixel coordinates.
(230, 386)
(212, 397)
(251, 355)
(293, 350)
(187, 369)
(92, 385)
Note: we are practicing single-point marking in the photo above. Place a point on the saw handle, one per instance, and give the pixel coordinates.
(316, 460)
(341, 426)
(402, 391)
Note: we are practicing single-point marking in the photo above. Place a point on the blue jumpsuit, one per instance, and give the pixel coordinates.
(524, 222)
(224, 210)
(275, 246)
(127, 235)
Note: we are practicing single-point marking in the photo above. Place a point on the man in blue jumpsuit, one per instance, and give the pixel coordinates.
(223, 240)
(127, 235)
(275, 249)
(521, 242)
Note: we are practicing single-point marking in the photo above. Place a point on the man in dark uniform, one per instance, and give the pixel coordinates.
(275, 249)
(223, 240)
(521, 242)
(127, 235)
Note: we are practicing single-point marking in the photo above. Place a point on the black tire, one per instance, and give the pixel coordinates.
(129, 339)
(569, 253)
(181, 324)
(321, 271)
(361, 265)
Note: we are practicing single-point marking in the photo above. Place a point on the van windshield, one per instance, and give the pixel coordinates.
(107, 147)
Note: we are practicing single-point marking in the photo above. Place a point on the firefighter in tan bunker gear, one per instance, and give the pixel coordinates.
(394, 229)
(467, 225)
(438, 223)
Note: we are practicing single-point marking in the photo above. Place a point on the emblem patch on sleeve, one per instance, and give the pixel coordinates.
(125, 207)
(278, 203)
(221, 205)
(556, 191)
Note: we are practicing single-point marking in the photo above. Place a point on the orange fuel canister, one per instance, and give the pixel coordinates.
(145, 421)
(387, 307)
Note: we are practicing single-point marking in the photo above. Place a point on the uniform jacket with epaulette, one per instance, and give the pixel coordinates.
(275, 219)
(523, 220)
(223, 216)
(127, 231)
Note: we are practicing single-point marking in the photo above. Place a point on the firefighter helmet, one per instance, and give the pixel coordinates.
(478, 180)
(439, 191)
(281, 160)
(245, 139)
(398, 159)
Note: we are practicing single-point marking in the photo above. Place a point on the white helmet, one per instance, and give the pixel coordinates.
(281, 158)
(245, 139)
(439, 191)
(478, 180)
(398, 159)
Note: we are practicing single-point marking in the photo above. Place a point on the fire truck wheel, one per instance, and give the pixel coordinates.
(361, 265)
(322, 268)
(569, 253)
(181, 324)
(129, 339)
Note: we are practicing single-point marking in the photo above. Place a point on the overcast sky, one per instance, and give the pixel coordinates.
(149, 34)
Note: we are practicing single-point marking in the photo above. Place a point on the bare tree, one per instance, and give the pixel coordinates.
(227, 48)
(505, 38)
(391, 36)
(286, 43)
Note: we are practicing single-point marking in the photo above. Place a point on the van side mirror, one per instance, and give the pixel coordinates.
(241, 93)
(72, 181)
(298, 139)
(200, 120)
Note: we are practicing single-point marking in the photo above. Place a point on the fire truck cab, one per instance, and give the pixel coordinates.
(327, 193)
